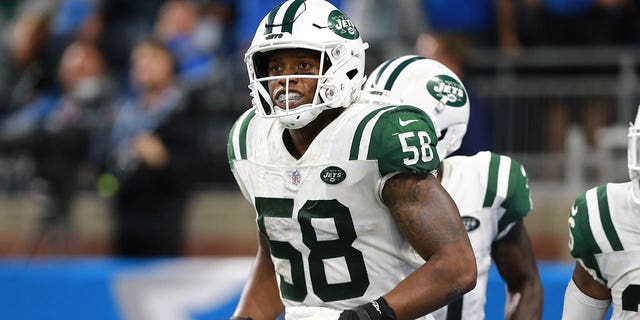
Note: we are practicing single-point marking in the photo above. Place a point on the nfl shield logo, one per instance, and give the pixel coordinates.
(296, 177)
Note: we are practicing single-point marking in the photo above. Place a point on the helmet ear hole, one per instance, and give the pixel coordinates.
(443, 133)
(352, 73)
(326, 64)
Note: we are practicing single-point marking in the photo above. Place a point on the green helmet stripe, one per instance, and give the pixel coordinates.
(605, 218)
(492, 181)
(290, 15)
(272, 16)
(383, 68)
(394, 75)
(357, 137)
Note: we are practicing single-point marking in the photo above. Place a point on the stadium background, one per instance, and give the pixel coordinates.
(558, 100)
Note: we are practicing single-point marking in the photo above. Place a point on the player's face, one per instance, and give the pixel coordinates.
(293, 62)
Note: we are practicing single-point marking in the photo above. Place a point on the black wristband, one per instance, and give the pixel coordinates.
(383, 309)
(377, 309)
(240, 318)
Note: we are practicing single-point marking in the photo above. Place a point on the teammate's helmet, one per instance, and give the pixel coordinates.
(426, 84)
(315, 25)
(633, 153)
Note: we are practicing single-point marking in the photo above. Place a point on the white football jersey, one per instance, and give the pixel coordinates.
(333, 243)
(604, 236)
(491, 192)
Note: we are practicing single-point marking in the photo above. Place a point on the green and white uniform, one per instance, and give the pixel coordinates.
(492, 193)
(604, 238)
(333, 243)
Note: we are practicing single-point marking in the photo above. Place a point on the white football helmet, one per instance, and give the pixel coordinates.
(315, 25)
(633, 155)
(426, 84)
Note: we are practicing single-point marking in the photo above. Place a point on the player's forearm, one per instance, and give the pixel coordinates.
(441, 280)
(525, 302)
(427, 216)
(259, 302)
(260, 298)
(515, 260)
(258, 309)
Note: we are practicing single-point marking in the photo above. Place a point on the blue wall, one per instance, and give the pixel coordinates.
(100, 288)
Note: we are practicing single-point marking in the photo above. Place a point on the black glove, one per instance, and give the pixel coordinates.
(375, 310)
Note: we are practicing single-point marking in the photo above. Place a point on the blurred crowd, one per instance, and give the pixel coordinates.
(134, 99)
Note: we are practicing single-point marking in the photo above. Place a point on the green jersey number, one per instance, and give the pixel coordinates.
(631, 298)
(319, 249)
(423, 153)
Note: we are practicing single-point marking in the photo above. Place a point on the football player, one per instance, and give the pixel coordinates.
(344, 193)
(490, 190)
(604, 238)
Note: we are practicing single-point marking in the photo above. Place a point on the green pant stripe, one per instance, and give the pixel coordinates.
(394, 75)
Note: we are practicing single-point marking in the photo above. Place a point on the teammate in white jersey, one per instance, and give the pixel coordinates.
(490, 190)
(344, 193)
(604, 239)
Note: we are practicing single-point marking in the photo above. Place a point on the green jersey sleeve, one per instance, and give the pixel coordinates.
(507, 187)
(237, 142)
(404, 140)
(582, 243)
(518, 201)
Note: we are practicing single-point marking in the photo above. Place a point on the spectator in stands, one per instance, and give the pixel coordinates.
(153, 153)
(587, 23)
(563, 23)
(193, 38)
(453, 29)
(56, 134)
(28, 66)
(392, 26)
(88, 92)
(76, 20)
(451, 50)
(26, 81)
(480, 23)
(128, 22)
